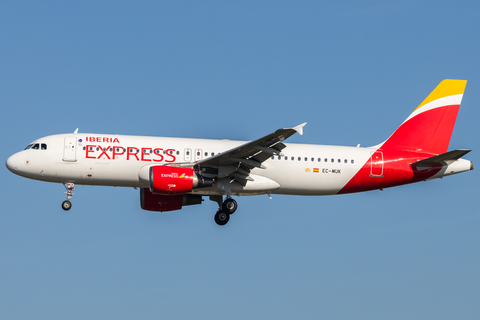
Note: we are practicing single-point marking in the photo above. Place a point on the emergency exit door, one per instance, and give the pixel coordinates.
(376, 162)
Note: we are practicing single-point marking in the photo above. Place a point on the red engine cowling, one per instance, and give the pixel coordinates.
(160, 202)
(175, 180)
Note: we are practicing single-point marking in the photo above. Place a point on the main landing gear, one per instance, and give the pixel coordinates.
(67, 205)
(226, 208)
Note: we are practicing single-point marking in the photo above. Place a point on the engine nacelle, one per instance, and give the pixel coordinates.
(175, 180)
(160, 202)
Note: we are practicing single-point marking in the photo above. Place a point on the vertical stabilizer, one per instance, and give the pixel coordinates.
(429, 128)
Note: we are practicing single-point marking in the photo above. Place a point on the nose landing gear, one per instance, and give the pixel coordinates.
(67, 205)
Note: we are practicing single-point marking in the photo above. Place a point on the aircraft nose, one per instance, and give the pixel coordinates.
(12, 163)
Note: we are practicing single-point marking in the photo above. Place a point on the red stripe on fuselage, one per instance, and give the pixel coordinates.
(425, 135)
(396, 171)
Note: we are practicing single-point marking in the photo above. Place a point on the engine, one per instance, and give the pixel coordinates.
(175, 180)
(160, 202)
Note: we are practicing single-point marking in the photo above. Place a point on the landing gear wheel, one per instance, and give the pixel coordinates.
(229, 206)
(66, 205)
(221, 218)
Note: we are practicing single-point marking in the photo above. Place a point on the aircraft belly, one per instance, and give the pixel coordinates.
(100, 173)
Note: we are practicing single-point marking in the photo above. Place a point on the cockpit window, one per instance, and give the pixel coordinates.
(36, 146)
(28, 147)
(44, 146)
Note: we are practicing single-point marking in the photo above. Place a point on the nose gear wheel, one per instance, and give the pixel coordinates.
(67, 205)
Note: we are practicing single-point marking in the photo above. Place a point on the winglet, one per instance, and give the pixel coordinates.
(299, 128)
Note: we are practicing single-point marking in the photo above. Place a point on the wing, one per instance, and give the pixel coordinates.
(238, 162)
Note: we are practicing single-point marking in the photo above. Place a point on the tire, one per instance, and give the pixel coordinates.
(229, 206)
(221, 218)
(66, 205)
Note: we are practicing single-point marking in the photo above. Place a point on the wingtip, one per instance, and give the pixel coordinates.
(299, 128)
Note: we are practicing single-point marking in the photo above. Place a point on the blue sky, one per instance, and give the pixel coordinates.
(237, 70)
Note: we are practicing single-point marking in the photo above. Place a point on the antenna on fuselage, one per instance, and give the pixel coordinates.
(76, 131)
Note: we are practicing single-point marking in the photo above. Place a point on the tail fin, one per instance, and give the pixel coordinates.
(429, 128)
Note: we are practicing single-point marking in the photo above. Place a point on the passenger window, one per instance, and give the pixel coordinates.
(44, 146)
(345, 161)
(339, 161)
(213, 153)
(293, 158)
(286, 158)
(306, 159)
(98, 148)
(28, 147)
(352, 161)
(326, 160)
(333, 160)
(313, 159)
(279, 158)
(319, 160)
(273, 157)
(36, 146)
(299, 159)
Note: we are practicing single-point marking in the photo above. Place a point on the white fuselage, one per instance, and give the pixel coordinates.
(120, 160)
(81, 159)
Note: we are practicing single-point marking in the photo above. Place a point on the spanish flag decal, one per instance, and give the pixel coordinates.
(316, 170)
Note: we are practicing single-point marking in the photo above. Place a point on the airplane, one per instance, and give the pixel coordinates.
(176, 172)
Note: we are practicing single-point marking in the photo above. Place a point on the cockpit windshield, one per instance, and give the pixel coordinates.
(36, 146)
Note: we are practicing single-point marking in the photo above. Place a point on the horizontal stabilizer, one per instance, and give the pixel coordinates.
(447, 158)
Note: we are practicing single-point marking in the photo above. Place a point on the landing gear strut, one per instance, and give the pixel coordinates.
(67, 205)
(225, 209)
